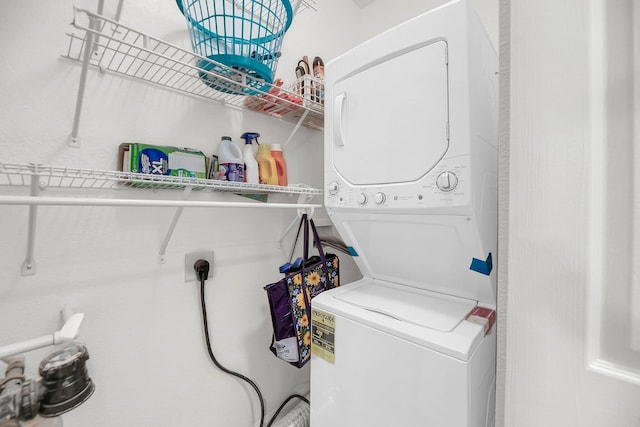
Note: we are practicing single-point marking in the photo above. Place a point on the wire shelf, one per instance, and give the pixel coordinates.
(20, 175)
(37, 178)
(123, 50)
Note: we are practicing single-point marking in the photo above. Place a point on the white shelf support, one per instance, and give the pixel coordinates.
(172, 227)
(295, 129)
(293, 222)
(29, 264)
(74, 138)
(119, 10)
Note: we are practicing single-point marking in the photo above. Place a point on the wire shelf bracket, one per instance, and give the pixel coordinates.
(172, 227)
(29, 264)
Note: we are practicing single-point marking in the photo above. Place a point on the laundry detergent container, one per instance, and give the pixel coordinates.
(237, 35)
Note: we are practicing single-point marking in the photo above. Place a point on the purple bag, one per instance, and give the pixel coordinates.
(290, 300)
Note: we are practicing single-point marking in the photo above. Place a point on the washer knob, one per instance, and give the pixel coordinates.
(333, 187)
(380, 198)
(362, 198)
(447, 181)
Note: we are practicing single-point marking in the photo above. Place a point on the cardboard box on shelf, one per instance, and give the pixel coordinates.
(162, 160)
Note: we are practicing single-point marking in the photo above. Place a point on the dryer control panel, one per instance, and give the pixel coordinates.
(445, 186)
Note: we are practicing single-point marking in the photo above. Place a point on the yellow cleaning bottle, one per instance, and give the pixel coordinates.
(266, 165)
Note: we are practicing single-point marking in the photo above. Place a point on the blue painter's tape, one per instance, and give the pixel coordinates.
(352, 251)
(481, 266)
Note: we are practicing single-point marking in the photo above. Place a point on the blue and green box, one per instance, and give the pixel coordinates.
(162, 160)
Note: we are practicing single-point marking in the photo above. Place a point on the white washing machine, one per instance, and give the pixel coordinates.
(411, 186)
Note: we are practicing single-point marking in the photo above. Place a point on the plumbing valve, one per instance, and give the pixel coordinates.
(63, 385)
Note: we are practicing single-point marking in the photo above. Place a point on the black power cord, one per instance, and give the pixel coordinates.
(201, 267)
(304, 399)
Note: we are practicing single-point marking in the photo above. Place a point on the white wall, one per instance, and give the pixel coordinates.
(142, 323)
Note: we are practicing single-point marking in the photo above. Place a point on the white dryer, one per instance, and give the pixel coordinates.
(411, 186)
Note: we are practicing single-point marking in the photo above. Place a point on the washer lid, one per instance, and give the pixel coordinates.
(410, 305)
(428, 319)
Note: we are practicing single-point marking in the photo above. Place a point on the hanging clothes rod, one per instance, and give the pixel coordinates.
(66, 201)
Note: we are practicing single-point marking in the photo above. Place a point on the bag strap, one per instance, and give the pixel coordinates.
(305, 248)
(295, 242)
(318, 245)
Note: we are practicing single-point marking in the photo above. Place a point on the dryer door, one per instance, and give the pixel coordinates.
(401, 98)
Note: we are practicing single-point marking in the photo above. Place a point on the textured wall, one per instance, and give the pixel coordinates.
(142, 322)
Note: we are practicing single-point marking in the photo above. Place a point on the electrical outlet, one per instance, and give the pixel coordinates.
(190, 259)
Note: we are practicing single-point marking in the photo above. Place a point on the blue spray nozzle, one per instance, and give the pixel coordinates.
(249, 137)
(284, 268)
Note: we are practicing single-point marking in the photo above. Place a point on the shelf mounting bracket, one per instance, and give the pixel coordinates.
(176, 217)
(29, 264)
(295, 129)
(74, 138)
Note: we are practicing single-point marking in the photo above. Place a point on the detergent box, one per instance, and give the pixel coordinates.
(162, 160)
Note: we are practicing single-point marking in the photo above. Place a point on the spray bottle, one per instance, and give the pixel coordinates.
(250, 163)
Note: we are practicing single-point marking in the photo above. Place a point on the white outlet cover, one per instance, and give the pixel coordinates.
(190, 259)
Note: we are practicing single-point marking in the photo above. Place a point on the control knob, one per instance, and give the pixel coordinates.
(447, 181)
(380, 198)
(362, 198)
(333, 187)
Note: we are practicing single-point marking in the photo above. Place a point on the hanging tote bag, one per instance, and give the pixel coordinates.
(290, 299)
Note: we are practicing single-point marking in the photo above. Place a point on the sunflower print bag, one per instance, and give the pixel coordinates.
(290, 300)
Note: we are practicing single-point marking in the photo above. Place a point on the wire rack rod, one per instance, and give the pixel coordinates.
(122, 50)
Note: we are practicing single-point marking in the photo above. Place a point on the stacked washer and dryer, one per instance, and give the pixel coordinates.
(411, 186)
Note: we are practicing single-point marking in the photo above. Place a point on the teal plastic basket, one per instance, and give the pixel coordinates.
(242, 35)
